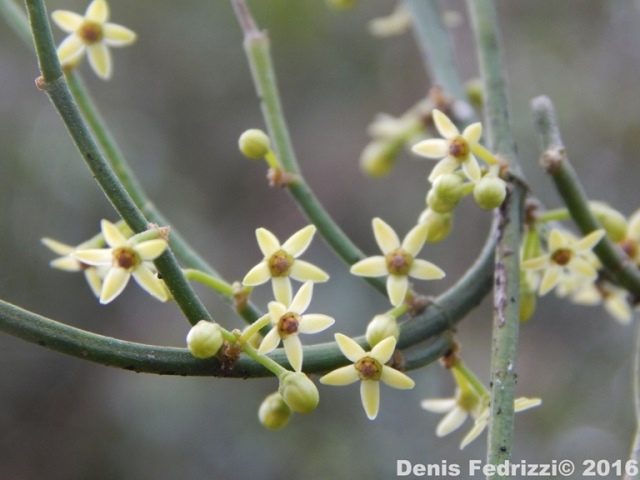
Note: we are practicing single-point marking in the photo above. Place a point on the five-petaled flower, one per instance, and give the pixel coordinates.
(91, 33)
(567, 256)
(289, 321)
(125, 258)
(398, 261)
(454, 149)
(370, 368)
(281, 262)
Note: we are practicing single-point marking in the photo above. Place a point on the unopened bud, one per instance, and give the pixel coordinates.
(254, 144)
(381, 327)
(439, 225)
(204, 339)
(299, 392)
(379, 157)
(438, 204)
(274, 413)
(612, 220)
(490, 192)
(448, 188)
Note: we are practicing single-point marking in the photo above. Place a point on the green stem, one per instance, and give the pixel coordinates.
(17, 20)
(54, 83)
(555, 215)
(507, 261)
(568, 185)
(214, 283)
(271, 365)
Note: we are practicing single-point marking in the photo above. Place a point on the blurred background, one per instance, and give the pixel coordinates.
(177, 102)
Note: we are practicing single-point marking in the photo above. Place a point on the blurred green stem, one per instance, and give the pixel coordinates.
(556, 162)
(55, 85)
(507, 266)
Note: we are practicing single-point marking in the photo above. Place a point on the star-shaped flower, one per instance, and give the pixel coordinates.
(567, 256)
(370, 368)
(91, 33)
(281, 262)
(454, 149)
(614, 299)
(68, 263)
(289, 321)
(125, 258)
(399, 260)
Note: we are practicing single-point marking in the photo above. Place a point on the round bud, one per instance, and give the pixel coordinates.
(378, 158)
(612, 220)
(204, 339)
(299, 392)
(490, 192)
(274, 413)
(448, 188)
(254, 144)
(438, 225)
(381, 327)
(439, 205)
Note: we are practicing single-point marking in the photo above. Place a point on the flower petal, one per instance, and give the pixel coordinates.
(151, 249)
(276, 311)
(370, 267)
(68, 21)
(257, 275)
(93, 279)
(293, 349)
(383, 350)
(97, 11)
(267, 242)
(302, 299)
(270, 342)
(303, 271)
(550, 279)
(397, 286)
(582, 267)
(472, 133)
(439, 405)
(57, 247)
(349, 347)
(70, 49)
(618, 307)
(113, 284)
(431, 148)
(117, 36)
(424, 270)
(149, 282)
(446, 165)
(535, 263)
(281, 289)
(297, 243)
(341, 376)
(414, 240)
(100, 60)
(386, 237)
(590, 241)
(471, 168)
(475, 432)
(112, 234)
(315, 322)
(633, 230)
(451, 421)
(94, 256)
(557, 240)
(523, 403)
(370, 396)
(396, 379)
(444, 124)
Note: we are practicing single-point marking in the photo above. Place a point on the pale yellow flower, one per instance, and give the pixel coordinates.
(281, 262)
(399, 260)
(614, 299)
(370, 368)
(125, 258)
(396, 23)
(93, 34)
(290, 321)
(454, 149)
(567, 256)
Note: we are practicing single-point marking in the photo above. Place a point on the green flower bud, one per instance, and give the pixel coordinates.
(527, 298)
(204, 339)
(299, 392)
(448, 188)
(490, 192)
(475, 93)
(439, 225)
(381, 327)
(274, 413)
(379, 157)
(439, 205)
(612, 220)
(341, 4)
(254, 144)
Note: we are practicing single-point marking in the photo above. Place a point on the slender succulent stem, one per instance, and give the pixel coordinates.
(509, 215)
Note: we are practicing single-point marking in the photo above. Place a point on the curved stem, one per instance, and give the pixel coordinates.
(54, 83)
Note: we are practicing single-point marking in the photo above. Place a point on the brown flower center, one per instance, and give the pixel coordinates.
(459, 149)
(280, 264)
(399, 262)
(90, 32)
(562, 256)
(126, 258)
(368, 368)
(288, 324)
(629, 247)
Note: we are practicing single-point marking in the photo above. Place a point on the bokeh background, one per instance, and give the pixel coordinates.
(177, 103)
